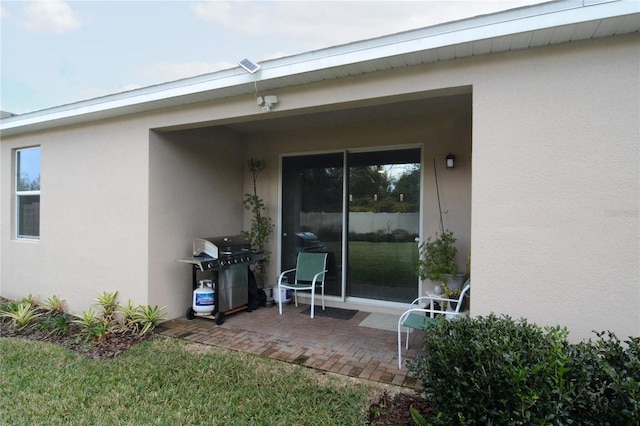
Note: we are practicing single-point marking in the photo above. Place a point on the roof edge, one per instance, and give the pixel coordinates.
(513, 21)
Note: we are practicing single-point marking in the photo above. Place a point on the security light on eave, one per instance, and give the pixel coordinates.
(249, 66)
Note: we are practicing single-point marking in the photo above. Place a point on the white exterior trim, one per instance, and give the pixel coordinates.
(525, 27)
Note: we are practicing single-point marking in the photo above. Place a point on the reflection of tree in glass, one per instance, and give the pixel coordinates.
(408, 184)
(322, 190)
(371, 191)
(395, 191)
(25, 183)
(28, 169)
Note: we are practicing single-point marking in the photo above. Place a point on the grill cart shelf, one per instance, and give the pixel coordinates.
(224, 261)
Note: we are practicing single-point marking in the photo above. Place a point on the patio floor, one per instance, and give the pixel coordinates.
(338, 346)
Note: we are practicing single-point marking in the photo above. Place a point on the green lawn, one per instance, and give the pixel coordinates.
(390, 264)
(169, 382)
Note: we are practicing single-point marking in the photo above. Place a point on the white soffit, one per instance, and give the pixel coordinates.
(540, 25)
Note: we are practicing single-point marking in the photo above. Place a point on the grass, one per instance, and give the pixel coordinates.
(383, 263)
(168, 382)
(384, 270)
(389, 264)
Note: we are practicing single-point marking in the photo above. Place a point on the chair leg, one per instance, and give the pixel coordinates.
(323, 296)
(400, 345)
(295, 297)
(408, 331)
(313, 292)
(399, 348)
(279, 300)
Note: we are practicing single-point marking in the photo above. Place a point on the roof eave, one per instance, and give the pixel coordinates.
(313, 65)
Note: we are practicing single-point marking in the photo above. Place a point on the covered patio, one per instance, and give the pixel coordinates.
(363, 346)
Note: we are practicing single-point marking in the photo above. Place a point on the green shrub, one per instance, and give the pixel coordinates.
(55, 304)
(55, 323)
(616, 389)
(107, 303)
(108, 319)
(140, 319)
(20, 314)
(31, 300)
(7, 306)
(128, 315)
(92, 323)
(148, 317)
(494, 370)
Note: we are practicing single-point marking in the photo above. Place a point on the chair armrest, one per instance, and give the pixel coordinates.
(411, 319)
(417, 300)
(428, 311)
(315, 277)
(427, 319)
(284, 273)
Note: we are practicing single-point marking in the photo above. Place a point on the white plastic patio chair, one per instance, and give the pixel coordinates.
(416, 318)
(310, 271)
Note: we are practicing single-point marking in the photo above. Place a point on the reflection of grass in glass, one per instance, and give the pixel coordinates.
(334, 247)
(388, 264)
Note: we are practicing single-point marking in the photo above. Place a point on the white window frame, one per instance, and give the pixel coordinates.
(19, 194)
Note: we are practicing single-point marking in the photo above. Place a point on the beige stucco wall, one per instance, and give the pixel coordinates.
(555, 178)
(552, 203)
(195, 191)
(436, 136)
(556, 186)
(125, 204)
(93, 229)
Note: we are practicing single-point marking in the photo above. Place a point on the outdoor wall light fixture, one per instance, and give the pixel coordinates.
(380, 170)
(266, 102)
(450, 161)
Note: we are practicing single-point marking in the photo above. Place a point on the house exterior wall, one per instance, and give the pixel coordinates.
(547, 168)
(556, 186)
(437, 136)
(554, 235)
(94, 221)
(195, 191)
(119, 205)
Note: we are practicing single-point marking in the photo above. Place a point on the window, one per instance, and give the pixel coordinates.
(27, 168)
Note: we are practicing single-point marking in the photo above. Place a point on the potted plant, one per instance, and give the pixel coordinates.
(261, 225)
(437, 260)
(452, 304)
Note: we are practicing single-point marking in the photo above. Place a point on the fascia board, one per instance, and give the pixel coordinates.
(487, 27)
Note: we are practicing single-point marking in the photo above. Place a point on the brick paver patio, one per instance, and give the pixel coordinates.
(328, 344)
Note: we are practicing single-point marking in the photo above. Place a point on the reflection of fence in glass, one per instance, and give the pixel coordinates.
(29, 211)
(364, 222)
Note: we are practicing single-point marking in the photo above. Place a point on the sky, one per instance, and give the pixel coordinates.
(57, 52)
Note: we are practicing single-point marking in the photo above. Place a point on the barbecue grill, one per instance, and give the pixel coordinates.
(309, 243)
(224, 261)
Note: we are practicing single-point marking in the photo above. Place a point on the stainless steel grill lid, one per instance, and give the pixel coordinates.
(221, 246)
(219, 253)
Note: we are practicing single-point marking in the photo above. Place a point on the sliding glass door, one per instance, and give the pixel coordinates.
(383, 224)
(312, 212)
(382, 219)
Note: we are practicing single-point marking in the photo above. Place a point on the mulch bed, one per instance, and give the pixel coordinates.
(109, 347)
(395, 411)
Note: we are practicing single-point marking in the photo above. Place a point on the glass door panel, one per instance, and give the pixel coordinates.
(383, 223)
(312, 212)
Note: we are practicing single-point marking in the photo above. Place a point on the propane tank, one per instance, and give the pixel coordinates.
(204, 298)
